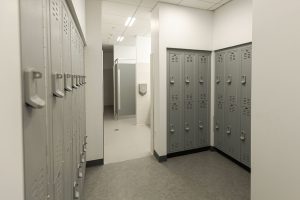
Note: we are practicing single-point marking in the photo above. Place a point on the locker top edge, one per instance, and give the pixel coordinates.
(232, 47)
(189, 50)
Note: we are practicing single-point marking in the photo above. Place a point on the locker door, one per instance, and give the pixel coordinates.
(34, 112)
(219, 100)
(188, 126)
(245, 134)
(75, 131)
(67, 69)
(203, 103)
(175, 137)
(232, 119)
(57, 100)
(189, 73)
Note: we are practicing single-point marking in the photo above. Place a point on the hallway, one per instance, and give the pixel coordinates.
(201, 176)
(123, 139)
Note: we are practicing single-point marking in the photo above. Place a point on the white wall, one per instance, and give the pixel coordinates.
(143, 50)
(275, 100)
(125, 54)
(94, 87)
(79, 6)
(177, 27)
(232, 24)
(11, 167)
(108, 82)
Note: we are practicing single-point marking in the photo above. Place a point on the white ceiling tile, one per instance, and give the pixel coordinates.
(171, 1)
(149, 3)
(197, 4)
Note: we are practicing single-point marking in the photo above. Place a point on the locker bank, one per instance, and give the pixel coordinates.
(149, 99)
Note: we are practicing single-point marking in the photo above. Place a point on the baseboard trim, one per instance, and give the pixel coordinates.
(232, 159)
(191, 151)
(159, 158)
(92, 163)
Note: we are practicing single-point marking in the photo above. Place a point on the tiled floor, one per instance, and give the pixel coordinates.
(201, 176)
(123, 139)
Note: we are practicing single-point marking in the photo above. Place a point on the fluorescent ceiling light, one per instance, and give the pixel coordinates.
(120, 38)
(130, 21)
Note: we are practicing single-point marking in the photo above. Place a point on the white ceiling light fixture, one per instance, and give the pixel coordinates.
(120, 38)
(129, 22)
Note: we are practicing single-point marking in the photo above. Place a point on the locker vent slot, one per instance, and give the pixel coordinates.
(66, 24)
(246, 110)
(220, 101)
(220, 58)
(55, 10)
(175, 97)
(189, 105)
(232, 103)
(38, 189)
(174, 106)
(232, 56)
(189, 58)
(203, 60)
(203, 101)
(247, 54)
(174, 58)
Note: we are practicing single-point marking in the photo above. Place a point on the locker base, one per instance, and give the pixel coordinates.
(93, 163)
(232, 159)
(181, 153)
(159, 158)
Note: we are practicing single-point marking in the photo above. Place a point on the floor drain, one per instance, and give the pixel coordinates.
(116, 129)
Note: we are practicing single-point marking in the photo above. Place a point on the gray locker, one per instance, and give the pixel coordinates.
(203, 82)
(232, 118)
(57, 99)
(34, 100)
(189, 76)
(219, 100)
(245, 114)
(188, 100)
(67, 69)
(233, 102)
(175, 108)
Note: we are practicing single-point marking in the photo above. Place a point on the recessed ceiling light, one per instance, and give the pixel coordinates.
(120, 38)
(130, 21)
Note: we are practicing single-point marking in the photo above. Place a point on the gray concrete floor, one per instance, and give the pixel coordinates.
(201, 176)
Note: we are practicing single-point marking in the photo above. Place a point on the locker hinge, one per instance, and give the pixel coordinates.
(243, 81)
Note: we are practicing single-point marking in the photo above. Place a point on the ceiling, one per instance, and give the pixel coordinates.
(116, 12)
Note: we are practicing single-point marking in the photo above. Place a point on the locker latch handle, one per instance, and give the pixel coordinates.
(228, 130)
(200, 125)
(77, 81)
(187, 129)
(218, 79)
(74, 81)
(31, 97)
(242, 137)
(84, 80)
(187, 80)
(172, 131)
(80, 80)
(229, 79)
(56, 91)
(67, 86)
(217, 127)
(82, 160)
(172, 81)
(243, 81)
(201, 81)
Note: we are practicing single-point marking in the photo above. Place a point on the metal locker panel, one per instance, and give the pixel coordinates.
(57, 101)
(219, 100)
(188, 126)
(67, 69)
(175, 107)
(34, 115)
(232, 119)
(175, 79)
(189, 74)
(175, 137)
(245, 84)
(203, 97)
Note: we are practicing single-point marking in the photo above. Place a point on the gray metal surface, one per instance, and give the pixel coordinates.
(57, 103)
(34, 120)
(127, 88)
(188, 99)
(175, 105)
(245, 134)
(232, 118)
(219, 100)
(233, 102)
(68, 128)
